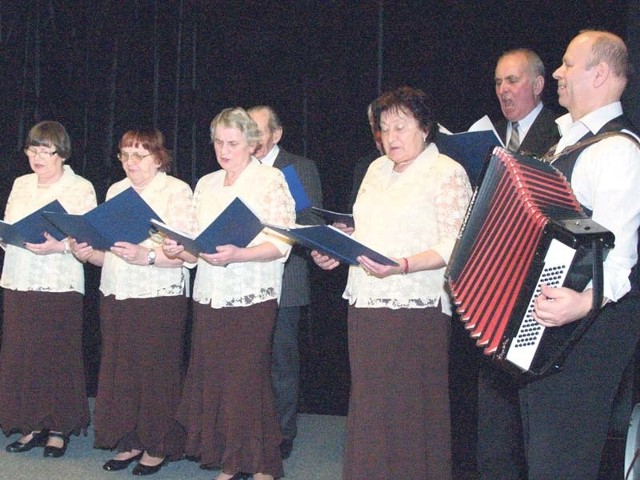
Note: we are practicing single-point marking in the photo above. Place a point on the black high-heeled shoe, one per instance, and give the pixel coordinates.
(240, 476)
(115, 465)
(55, 452)
(38, 439)
(142, 469)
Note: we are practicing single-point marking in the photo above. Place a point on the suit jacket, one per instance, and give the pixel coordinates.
(542, 135)
(295, 282)
(359, 171)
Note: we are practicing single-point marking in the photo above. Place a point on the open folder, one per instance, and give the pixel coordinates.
(335, 217)
(331, 241)
(296, 188)
(471, 149)
(31, 228)
(236, 225)
(123, 218)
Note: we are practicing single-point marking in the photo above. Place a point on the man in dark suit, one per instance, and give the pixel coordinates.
(519, 81)
(362, 164)
(285, 365)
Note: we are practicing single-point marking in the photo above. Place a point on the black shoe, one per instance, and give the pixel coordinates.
(38, 439)
(240, 476)
(286, 446)
(141, 469)
(56, 452)
(115, 465)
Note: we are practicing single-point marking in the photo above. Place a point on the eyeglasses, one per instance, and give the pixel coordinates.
(135, 157)
(32, 152)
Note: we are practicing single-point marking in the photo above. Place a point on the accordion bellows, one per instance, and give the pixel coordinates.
(524, 227)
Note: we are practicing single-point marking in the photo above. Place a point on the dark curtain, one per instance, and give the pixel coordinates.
(102, 67)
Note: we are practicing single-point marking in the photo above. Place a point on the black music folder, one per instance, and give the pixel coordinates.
(296, 188)
(31, 228)
(331, 241)
(236, 225)
(335, 217)
(123, 218)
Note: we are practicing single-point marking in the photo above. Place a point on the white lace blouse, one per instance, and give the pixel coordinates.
(57, 272)
(402, 214)
(171, 199)
(265, 191)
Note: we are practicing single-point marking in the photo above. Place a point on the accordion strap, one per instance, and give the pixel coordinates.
(551, 157)
(597, 291)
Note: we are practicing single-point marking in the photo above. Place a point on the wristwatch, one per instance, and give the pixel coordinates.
(151, 256)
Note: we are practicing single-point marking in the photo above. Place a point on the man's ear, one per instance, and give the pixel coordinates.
(538, 85)
(602, 72)
(277, 135)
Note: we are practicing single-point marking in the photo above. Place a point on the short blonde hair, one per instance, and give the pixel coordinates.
(237, 118)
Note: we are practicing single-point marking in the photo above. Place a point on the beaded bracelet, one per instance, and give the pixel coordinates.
(405, 268)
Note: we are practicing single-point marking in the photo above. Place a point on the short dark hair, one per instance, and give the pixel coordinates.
(150, 139)
(274, 119)
(50, 134)
(411, 100)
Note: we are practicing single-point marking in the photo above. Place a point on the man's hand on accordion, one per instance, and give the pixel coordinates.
(555, 307)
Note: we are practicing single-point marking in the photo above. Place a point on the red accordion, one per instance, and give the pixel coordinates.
(524, 227)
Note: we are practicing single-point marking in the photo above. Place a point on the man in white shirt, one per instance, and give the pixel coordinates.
(566, 414)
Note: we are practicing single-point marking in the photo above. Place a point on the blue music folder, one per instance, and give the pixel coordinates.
(332, 242)
(31, 228)
(237, 225)
(296, 188)
(123, 218)
(470, 149)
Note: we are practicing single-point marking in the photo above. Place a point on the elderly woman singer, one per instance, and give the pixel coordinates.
(410, 206)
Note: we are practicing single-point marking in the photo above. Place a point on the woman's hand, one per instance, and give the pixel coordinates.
(378, 270)
(49, 246)
(81, 250)
(325, 262)
(171, 248)
(225, 254)
(343, 227)
(131, 253)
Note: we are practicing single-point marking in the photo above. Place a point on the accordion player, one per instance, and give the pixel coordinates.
(523, 228)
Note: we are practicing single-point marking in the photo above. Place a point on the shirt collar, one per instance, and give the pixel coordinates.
(571, 131)
(270, 158)
(593, 121)
(525, 123)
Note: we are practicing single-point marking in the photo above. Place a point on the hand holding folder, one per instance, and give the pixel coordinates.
(332, 242)
(31, 228)
(123, 218)
(236, 225)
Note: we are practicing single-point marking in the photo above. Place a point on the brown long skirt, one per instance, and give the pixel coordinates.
(139, 384)
(228, 407)
(399, 418)
(42, 383)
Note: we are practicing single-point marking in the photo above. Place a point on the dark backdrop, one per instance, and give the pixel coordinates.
(102, 67)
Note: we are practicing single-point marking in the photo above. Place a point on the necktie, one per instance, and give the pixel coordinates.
(514, 141)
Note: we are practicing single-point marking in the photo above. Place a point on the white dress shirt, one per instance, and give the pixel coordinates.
(606, 180)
